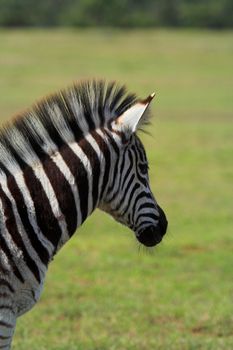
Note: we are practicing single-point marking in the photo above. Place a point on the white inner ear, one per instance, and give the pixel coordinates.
(130, 118)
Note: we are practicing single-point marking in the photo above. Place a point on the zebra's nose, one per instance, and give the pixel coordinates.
(150, 236)
(153, 235)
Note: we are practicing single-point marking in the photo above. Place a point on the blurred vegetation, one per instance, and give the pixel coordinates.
(124, 13)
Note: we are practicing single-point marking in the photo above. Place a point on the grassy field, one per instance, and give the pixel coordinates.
(102, 292)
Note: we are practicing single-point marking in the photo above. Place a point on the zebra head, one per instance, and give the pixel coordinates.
(129, 199)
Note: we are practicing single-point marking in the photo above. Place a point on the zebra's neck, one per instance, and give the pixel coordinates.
(57, 161)
(75, 179)
(85, 172)
(49, 199)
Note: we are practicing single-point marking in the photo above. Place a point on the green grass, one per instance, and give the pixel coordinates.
(102, 292)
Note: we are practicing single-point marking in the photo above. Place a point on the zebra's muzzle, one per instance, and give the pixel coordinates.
(150, 236)
(153, 235)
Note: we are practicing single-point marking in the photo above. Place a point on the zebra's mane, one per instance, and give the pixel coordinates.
(66, 115)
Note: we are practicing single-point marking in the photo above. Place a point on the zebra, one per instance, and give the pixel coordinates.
(70, 153)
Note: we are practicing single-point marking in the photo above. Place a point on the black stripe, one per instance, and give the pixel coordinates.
(63, 194)
(147, 206)
(107, 98)
(123, 166)
(5, 295)
(5, 324)
(4, 337)
(116, 97)
(80, 174)
(10, 257)
(145, 224)
(125, 104)
(140, 178)
(106, 153)
(114, 185)
(136, 186)
(111, 141)
(141, 195)
(147, 216)
(6, 307)
(125, 193)
(115, 148)
(124, 177)
(99, 89)
(44, 214)
(95, 165)
(6, 284)
(22, 210)
(13, 231)
(5, 346)
(87, 108)
(4, 169)
(141, 150)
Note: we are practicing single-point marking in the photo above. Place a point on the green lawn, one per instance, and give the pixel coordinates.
(103, 291)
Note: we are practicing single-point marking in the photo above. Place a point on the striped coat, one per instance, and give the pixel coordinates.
(70, 153)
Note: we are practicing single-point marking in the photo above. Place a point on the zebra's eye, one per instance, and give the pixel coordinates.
(143, 168)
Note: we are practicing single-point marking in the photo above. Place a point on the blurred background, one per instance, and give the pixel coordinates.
(125, 13)
(103, 291)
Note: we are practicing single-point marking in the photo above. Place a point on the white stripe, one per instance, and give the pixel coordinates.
(112, 180)
(60, 123)
(87, 165)
(41, 135)
(3, 258)
(101, 159)
(60, 163)
(78, 112)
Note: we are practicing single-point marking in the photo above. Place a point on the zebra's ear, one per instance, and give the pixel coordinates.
(133, 116)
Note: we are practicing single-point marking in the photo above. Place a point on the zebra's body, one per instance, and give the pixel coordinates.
(73, 152)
